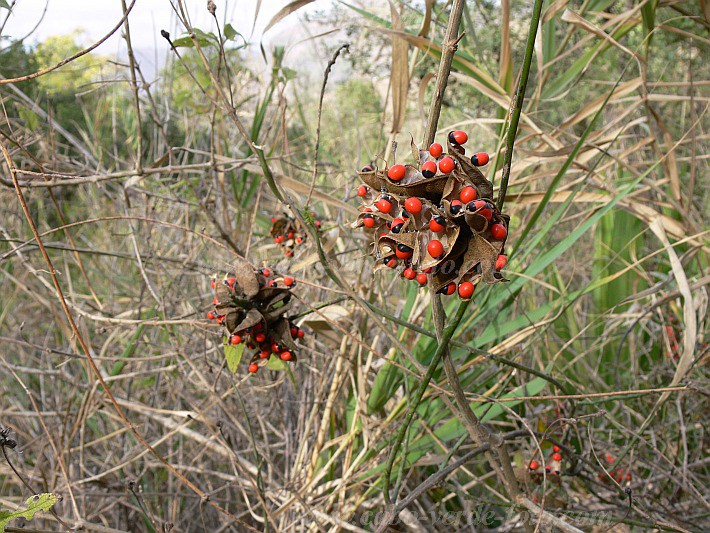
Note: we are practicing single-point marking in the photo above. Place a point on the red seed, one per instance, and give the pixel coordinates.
(235, 339)
(413, 205)
(422, 278)
(556, 456)
(458, 137)
(435, 248)
(409, 273)
(279, 239)
(479, 159)
(466, 289)
(397, 225)
(384, 206)
(253, 368)
(211, 315)
(499, 232)
(286, 356)
(500, 265)
(266, 272)
(366, 168)
(555, 448)
(437, 224)
(259, 337)
(435, 149)
(301, 333)
(403, 251)
(456, 207)
(534, 465)
(391, 263)
(361, 190)
(450, 289)
(468, 194)
(294, 332)
(369, 221)
(264, 354)
(396, 172)
(447, 165)
(429, 169)
(273, 219)
(288, 281)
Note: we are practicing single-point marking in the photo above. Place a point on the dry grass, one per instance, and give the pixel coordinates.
(598, 343)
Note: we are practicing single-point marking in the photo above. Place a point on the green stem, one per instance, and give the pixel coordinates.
(519, 98)
(419, 393)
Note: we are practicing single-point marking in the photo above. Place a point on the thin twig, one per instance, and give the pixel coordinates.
(320, 113)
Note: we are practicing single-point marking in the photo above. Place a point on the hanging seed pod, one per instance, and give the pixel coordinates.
(254, 306)
(290, 233)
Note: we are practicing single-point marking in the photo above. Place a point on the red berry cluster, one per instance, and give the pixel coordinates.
(436, 222)
(617, 474)
(555, 464)
(251, 305)
(289, 233)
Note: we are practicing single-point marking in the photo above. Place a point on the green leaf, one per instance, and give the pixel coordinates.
(233, 355)
(276, 364)
(40, 502)
(229, 32)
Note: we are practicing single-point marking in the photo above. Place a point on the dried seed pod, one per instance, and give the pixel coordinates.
(442, 219)
(253, 306)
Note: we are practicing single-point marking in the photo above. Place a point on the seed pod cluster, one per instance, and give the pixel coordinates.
(435, 221)
(289, 233)
(252, 305)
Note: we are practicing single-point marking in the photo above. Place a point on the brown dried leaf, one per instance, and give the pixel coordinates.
(285, 12)
(246, 278)
(400, 73)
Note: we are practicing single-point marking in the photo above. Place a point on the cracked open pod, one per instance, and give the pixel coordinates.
(438, 224)
(253, 305)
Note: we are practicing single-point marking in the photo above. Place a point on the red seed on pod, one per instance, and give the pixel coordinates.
(301, 333)
(253, 368)
(534, 465)
(403, 251)
(413, 205)
(390, 262)
(456, 207)
(466, 289)
(213, 283)
(299, 240)
(422, 278)
(286, 356)
(429, 169)
(556, 456)
(435, 248)
(435, 149)
(266, 272)
(264, 354)
(397, 224)
(211, 315)
(290, 234)
(479, 159)
(235, 339)
(458, 137)
(288, 253)
(409, 273)
(555, 448)
(361, 190)
(499, 232)
(289, 281)
(366, 168)
(428, 270)
(215, 301)
(259, 337)
(396, 172)
(273, 284)
(468, 194)
(437, 224)
(273, 219)
(369, 221)
(275, 347)
(220, 319)
(448, 290)
(384, 206)
(500, 265)
(447, 165)
(279, 239)
(294, 331)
